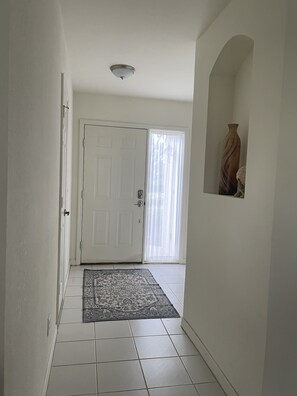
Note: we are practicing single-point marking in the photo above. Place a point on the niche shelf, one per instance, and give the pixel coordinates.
(228, 102)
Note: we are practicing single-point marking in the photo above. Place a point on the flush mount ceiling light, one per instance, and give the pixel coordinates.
(122, 71)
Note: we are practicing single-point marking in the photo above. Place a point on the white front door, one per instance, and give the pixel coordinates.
(113, 194)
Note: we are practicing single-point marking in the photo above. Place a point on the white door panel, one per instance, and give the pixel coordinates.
(114, 171)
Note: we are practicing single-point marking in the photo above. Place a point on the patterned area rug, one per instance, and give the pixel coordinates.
(123, 294)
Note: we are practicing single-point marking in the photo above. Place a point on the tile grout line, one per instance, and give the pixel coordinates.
(167, 357)
(133, 338)
(96, 359)
(180, 357)
(196, 383)
(170, 339)
(131, 360)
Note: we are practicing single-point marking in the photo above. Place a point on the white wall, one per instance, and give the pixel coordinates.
(121, 109)
(37, 58)
(229, 243)
(4, 44)
(281, 354)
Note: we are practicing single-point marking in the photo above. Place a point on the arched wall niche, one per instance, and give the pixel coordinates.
(228, 102)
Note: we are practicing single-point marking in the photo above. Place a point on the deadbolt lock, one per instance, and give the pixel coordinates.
(140, 194)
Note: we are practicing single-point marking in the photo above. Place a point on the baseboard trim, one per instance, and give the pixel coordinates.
(66, 282)
(210, 361)
(48, 370)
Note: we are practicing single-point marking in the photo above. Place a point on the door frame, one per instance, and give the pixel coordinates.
(63, 181)
(117, 124)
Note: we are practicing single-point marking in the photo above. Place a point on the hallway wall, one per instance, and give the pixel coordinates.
(37, 58)
(281, 348)
(4, 50)
(229, 243)
(121, 109)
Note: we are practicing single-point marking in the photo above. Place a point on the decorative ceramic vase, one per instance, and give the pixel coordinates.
(230, 162)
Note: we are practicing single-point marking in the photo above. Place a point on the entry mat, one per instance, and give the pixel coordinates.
(124, 294)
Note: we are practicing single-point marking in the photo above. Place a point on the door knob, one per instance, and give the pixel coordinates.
(66, 212)
(139, 203)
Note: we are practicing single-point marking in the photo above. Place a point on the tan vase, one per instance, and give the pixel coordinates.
(230, 162)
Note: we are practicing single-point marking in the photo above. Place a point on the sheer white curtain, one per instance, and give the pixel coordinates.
(164, 196)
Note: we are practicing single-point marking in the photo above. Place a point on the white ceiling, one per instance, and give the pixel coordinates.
(157, 37)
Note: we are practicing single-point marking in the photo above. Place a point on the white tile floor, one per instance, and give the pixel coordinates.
(151, 357)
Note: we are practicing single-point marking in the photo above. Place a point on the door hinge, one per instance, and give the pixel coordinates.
(82, 194)
(83, 142)
(80, 245)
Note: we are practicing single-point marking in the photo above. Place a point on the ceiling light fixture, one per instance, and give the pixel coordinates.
(122, 71)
